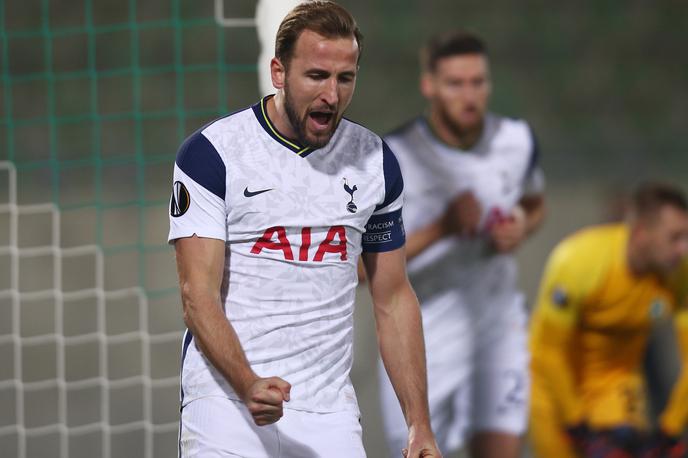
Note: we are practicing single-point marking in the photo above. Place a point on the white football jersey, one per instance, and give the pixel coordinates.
(295, 221)
(500, 169)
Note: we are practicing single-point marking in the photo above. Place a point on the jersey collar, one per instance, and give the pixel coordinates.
(476, 148)
(260, 109)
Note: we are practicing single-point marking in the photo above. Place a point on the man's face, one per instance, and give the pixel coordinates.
(318, 85)
(667, 239)
(459, 90)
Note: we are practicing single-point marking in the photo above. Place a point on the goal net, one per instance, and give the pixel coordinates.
(95, 97)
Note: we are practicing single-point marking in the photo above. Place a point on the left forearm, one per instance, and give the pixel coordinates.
(534, 211)
(400, 337)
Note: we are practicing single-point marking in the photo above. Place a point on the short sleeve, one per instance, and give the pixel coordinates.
(197, 204)
(385, 228)
(534, 178)
(568, 281)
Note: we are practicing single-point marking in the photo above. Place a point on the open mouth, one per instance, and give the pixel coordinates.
(321, 118)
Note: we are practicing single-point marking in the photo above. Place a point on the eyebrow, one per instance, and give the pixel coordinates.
(321, 71)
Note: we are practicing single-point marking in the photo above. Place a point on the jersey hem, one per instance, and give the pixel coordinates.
(285, 405)
(205, 235)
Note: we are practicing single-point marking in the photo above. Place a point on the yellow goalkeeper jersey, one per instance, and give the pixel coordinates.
(589, 331)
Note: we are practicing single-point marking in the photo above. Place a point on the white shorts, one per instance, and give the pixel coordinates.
(477, 372)
(214, 427)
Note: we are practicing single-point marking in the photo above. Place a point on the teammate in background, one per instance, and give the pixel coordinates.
(473, 194)
(601, 292)
(271, 208)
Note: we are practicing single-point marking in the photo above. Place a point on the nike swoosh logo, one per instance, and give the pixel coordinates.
(248, 193)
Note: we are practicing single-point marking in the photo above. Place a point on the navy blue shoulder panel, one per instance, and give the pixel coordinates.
(199, 159)
(394, 183)
(534, 153)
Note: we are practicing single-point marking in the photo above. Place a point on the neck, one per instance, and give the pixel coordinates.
(278, 115)
(454, 135)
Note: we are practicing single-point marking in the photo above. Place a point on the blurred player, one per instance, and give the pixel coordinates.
(473, 194)
(602, 290)
(270, 211)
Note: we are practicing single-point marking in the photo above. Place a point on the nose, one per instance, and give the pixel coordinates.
(469, 95)
(330, 92)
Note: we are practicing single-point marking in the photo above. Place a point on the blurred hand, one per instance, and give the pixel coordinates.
(508, 233)
(264, 399)
(463, 215)
(421, 444)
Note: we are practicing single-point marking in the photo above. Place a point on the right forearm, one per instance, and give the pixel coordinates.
(218, 341)
(420, 240)
(402, 348)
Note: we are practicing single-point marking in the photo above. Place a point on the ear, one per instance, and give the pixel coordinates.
(277, 73)
(427, 85)
(639, 231)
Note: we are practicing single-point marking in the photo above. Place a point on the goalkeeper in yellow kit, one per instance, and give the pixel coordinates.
(602, 290)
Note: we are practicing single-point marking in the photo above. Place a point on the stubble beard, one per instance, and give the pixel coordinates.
(299, 124)
(456, 128)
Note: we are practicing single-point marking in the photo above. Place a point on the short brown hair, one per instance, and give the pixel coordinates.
(648, 199)
(453, 43)
(323, 17)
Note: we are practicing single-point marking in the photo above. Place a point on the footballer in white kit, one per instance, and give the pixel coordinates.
(279, 205)
(272, 207)
(474, 316)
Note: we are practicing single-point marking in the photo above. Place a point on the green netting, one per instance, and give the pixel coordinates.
(96, 97)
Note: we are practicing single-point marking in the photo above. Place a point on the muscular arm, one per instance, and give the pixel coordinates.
(533, 206)
(420, 240)
(461, 217)
(200, 264)
(400, 337)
